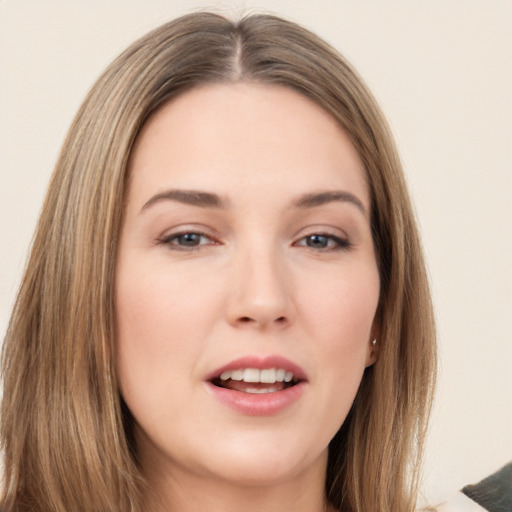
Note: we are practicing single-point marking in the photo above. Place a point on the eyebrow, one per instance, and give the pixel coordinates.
(210, 200)
(321, 198)
(190, 197)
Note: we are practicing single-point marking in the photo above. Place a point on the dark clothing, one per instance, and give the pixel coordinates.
(494, 493)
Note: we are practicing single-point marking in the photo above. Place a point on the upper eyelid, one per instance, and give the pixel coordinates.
(183, 229)
(210, 233)
(325, 230)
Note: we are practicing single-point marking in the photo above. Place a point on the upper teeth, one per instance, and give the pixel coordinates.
(268, 376)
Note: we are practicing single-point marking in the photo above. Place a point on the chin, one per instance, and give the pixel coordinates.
(258, 462)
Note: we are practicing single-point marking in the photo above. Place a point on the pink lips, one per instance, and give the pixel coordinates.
(264, 404)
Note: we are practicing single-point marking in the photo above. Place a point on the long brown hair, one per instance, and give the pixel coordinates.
(65, 433)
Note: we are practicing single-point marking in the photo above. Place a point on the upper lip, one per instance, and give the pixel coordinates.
(260, 363)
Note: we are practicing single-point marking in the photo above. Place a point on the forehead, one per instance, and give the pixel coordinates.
(224, 137)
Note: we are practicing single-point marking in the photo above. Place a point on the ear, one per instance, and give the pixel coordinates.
(373, 343)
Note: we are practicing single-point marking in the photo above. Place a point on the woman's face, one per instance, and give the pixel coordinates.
(246, 285)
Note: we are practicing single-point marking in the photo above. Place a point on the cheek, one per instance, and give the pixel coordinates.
(343, 305)
(339, 316)
(158, 333)
(156, 308)
(143, 321)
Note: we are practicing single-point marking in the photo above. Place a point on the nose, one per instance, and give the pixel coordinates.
(261, 292)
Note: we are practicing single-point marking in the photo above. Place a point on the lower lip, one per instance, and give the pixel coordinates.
(257, 404)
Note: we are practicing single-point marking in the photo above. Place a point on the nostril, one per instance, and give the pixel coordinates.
(243, 320)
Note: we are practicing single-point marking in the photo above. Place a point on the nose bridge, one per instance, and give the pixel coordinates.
(261, 289)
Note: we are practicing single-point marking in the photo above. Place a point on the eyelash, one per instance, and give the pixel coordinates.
(170, 239)
(340, 244)
(337, 243)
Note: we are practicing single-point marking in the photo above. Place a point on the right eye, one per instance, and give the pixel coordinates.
(186, 240)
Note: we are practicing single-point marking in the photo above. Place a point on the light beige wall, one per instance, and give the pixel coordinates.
(442, 71)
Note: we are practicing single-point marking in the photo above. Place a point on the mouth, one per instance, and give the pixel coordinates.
(258, 386)
(255, 380)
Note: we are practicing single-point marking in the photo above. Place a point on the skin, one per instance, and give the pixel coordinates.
(257, 282)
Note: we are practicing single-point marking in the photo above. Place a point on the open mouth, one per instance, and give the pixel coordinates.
(253, 380)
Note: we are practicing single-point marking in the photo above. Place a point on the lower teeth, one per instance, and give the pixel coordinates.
(254, 390)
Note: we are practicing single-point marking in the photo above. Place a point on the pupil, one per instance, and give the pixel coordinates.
(189, 239)
(317, 241)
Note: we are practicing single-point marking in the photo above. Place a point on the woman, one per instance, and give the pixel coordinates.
(226, 304)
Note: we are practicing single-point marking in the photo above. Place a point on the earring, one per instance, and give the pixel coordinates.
(374, 342)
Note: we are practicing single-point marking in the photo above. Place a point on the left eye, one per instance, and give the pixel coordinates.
(323, 241)
(186, 240)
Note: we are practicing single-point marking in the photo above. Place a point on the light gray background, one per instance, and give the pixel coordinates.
(442, 71)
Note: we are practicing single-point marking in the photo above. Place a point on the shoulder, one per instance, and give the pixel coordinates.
(494, 493)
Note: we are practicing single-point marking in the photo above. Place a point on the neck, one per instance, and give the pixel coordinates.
(183, 491)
